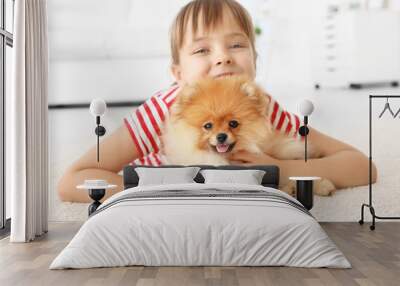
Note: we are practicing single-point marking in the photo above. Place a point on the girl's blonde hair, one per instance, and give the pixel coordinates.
(212, 13)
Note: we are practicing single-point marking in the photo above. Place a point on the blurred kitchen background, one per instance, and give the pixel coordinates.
(334, 53)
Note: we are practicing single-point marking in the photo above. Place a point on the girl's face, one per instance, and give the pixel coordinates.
(223, 51)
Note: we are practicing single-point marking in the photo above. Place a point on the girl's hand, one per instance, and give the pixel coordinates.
(248, 159)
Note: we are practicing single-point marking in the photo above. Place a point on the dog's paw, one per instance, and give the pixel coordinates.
(324, 187)
(289, 188)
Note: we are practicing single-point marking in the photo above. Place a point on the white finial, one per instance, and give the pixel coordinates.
(306, 107)
(98, 107)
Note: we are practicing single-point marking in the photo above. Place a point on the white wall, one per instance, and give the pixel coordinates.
(73, 81)
(117, 50)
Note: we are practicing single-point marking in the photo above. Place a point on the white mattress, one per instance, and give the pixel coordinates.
(190, 230)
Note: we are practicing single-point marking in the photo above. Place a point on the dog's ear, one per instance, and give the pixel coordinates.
(257, 94)
(249, 89)
(183, 98)
(267, 103)
(189, 90)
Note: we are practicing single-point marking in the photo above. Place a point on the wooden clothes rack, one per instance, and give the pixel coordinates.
(369, 205)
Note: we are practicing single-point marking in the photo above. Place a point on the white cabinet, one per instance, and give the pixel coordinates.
(356, 47)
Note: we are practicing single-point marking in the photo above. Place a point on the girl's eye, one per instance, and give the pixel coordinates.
(237, 45)
(207, 126)
(201, 51)
(233, 123)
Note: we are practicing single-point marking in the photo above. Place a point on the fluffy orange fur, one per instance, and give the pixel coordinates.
(233, 106)
(219, 102)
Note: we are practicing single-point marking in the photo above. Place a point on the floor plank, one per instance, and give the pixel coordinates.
(374, 255)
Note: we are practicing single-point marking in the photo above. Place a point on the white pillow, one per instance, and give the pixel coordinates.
(248, 177)
(162, 176)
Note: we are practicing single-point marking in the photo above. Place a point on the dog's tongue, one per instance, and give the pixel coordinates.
(222, 148)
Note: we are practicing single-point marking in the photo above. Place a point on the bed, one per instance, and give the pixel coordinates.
(201, 224)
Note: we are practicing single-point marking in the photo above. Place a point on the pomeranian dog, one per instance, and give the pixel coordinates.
(216, 117)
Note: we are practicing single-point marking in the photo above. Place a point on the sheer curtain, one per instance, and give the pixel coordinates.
(27, 122)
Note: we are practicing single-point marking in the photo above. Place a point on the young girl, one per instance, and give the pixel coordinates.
(209, 38)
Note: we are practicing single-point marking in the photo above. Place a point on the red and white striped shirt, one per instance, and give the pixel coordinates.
(146, 122)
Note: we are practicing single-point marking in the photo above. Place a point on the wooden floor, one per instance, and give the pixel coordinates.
(374, 255)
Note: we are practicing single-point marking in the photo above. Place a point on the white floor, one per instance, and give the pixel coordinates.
(341, 113)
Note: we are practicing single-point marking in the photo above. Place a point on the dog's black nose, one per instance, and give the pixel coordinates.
(221, 137)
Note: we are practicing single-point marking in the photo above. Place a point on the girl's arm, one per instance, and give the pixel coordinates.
(117, 151)
(342, 164)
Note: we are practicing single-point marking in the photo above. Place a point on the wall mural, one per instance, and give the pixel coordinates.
(232, 98)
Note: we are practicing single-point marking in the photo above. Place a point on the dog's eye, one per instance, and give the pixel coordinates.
(207, 125)
(233, 123)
